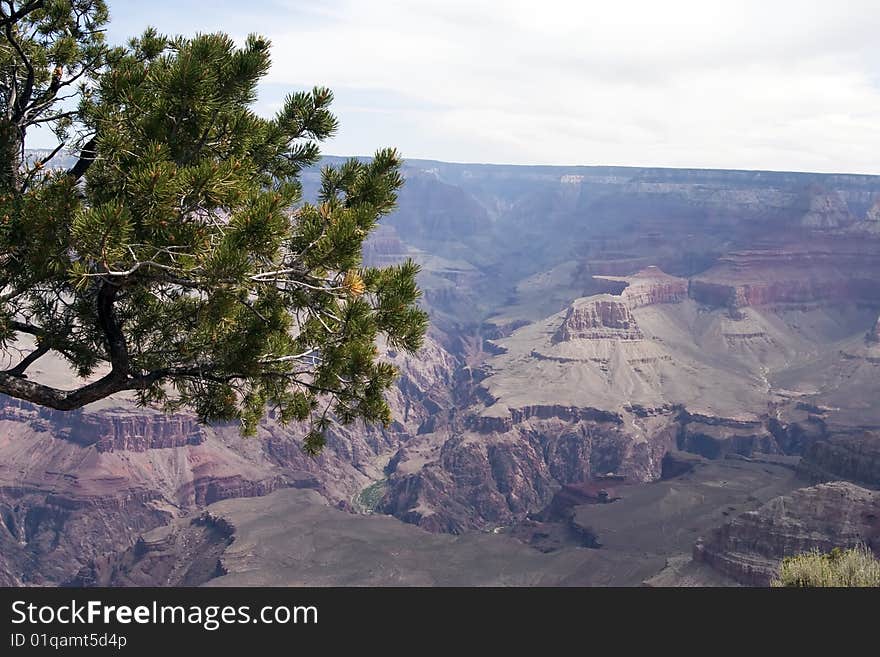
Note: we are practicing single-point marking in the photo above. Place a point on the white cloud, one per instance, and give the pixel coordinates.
(762, 84)
(776, 85)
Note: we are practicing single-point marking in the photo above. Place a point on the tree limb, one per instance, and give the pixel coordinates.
(62, 400)
(87, 155)
(21, 12)
(68, 400)
(28, 360)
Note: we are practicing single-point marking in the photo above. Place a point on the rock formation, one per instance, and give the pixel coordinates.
(499, 469)
(505, 460)
(596, 318)
(74, 486)
(825, 209)
(130, 430)
(71, 491)
(851, 456)
(649, 287)
(832, 269)
(586, 321)
(750, 547)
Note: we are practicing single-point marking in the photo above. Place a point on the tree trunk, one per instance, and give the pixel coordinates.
(10, 157)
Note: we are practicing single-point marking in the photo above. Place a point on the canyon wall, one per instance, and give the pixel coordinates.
(851, 456)
(585, 321)
(499, 469)
(750, 547)
(824, 268)
(75, 486)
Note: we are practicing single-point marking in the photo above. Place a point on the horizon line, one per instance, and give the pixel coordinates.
(583, 166)
(618, 166)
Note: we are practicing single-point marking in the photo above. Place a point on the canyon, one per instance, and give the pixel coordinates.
(633, 375)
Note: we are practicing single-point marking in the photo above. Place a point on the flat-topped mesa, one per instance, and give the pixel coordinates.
(598, 317)
(609, 313)
(648, 287)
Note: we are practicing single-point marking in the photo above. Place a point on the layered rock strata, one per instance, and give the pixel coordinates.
(835, 269)
(750, 548)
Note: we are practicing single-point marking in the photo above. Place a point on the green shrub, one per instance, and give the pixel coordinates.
(853, 567)
(371, 496)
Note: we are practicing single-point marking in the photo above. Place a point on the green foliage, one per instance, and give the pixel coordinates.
(179, 251)
(48, 49)
(853, 567)
(370, 497)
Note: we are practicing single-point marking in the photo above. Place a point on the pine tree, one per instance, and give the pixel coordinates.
(177, 254)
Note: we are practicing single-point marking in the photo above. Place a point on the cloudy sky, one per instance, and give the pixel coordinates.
(764, 84)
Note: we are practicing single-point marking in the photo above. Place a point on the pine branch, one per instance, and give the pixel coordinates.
(28, 360)
(16, 15)
(87, 156)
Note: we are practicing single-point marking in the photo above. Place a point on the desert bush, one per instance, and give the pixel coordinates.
(852, 567)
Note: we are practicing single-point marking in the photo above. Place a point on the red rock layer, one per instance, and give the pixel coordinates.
(648, 287)
(835, 269)
(671, 290)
